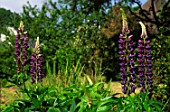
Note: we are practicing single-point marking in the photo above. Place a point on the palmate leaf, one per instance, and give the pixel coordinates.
(8, 86)
(73, 107)
(105, 108)
(82, 106)
(52, 109)
(157, 107)
(95, 94)
(94, 87)
(105, 104)
(146, 106)
(36, 103)
(156, 104)
(165, 104)
(9, 108)
(55, 102)
(64, 110)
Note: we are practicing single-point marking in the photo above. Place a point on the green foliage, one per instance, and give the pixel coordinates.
(161, 57)
(70, 92)
(83, 98)
(8, 66)
(64, 32)
(139, 103)
(76, 94)
(8, 18)
(70, 31)
(7, 58)
(89, 97)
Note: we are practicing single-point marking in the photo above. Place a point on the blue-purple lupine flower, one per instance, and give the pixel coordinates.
(33, 68)
(36, 64)
(21, 49)
(145, 61)
(126, 52)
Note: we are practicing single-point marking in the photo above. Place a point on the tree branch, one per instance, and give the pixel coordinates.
(142, 11)
(139, 17)
(154, 13)
(166, 5)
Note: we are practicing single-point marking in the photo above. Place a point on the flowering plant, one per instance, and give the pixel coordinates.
(127, 55)
(126, 51)
(36, 64)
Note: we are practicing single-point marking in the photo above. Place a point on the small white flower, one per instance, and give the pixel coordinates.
(12, 31)
(3, 37)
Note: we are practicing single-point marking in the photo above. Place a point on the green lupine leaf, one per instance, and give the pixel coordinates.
(105, 108)
(73, 106)
(52, 109)
(146, 106)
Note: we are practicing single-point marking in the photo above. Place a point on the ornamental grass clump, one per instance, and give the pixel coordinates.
(144, 60)
(36, 64)
(126, 51)
(21, 49)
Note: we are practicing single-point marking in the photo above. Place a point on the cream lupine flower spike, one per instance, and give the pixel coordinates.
(125, 24)
(21, 26)
(144, 34)
(37, 46)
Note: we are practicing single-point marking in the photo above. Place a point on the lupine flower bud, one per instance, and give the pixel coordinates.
(124, 22)
(145, 59)
(36, 64)
(126, 49)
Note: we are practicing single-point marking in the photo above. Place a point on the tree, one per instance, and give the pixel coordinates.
(7, 65)
(8, 18)
(154, 12)
(60, 28)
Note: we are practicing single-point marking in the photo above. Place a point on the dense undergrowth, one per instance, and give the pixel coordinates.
(77, 93)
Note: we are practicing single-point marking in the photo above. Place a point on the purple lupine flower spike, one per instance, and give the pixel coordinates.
(21, 49)
(36, 64)
(33, 68)
(145, 59)
(126, 52)
(39, 65)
